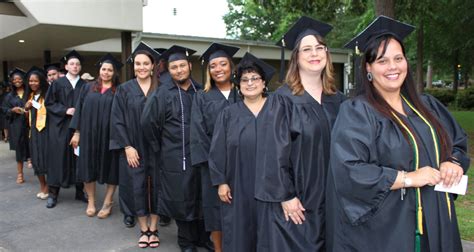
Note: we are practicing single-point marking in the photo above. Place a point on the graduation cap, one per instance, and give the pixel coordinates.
(217, 50)
(17, 71)
(70, 55)
(51, 66)
(160, 50)
(267, 69)
(303, 27)
(176, 52)
(144, 47)
(382, 25)
(109, 58)
(35, 69)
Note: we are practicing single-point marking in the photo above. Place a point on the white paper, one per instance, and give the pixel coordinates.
(36, 104)
(76, 151)
(460, 188)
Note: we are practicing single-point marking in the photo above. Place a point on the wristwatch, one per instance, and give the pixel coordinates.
(407, 182)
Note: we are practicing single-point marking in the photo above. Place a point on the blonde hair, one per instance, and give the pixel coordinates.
(293, 78)
(210, 82)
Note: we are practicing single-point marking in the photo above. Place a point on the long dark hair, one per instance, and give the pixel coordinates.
(43, 82)
(97, 86)
(293, 78)
(155, 81)
(407, 89)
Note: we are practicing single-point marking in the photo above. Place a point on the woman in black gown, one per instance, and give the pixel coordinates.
(218, 93)
(390, 147)
(37, 121)
(136, 159)
(91, 122)
(14, 105)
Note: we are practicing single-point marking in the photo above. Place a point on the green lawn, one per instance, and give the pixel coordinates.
(465, 204)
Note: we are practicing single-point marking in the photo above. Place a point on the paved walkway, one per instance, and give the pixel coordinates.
(27, 225)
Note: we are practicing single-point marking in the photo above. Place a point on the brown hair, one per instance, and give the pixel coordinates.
(209, 81)
(407, 89)
(293, 78)
(97, 86)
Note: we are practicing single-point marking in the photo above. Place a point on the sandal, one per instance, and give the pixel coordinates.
(91, 211)
(144, 244)
(20, 179)
(105, 211)
(153, 244)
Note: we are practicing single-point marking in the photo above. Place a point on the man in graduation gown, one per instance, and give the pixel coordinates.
(52, 72)
(165, 121)
(60, 101)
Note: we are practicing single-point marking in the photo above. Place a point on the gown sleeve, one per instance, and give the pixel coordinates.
(76, 118)
(454, 130)
(218, 151)
(118, 124)
(200, 141)
(274, 181)
(53, 105)
(152, 119)
(361, 184)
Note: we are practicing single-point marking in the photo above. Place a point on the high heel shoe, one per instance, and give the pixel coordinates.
(105, 211)
(144, 244)
(153, 244)
(20, 179)
(90, 211)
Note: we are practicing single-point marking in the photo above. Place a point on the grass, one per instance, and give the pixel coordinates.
(465, 204)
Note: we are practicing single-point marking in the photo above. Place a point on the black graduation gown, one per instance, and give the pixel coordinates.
(179, 193)
(311, 123)
(125, 130)
(92, 118)
(61, 159)
(246, 153)
(206, 107)
(367, 151)
(38, 144)
(3, 123)
(18, 128)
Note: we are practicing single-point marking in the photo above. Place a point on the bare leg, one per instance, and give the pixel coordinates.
(216, 237)
(154, 239)
(143, 240)
(90, 190)
(43, 187)
(108, 201)
(19, 167)
(5, 132)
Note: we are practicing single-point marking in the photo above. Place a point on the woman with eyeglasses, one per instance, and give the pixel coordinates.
(298, 220)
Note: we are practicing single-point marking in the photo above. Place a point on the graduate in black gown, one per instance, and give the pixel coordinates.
(218, 93)
(91, 125)
(38, 133)
(60, 101)
(250, 143)
(298, 223)
(165, 121)
(3, 122)
(14, 105)
(137, 183)
(390, 147)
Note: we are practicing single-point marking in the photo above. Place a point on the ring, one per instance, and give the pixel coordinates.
(290, 214)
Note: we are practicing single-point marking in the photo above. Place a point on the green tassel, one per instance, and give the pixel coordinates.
(417, 242)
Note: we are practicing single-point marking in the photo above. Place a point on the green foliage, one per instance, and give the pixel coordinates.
(445, 96)
(465, 99)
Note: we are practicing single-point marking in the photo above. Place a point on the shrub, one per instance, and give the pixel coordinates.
(445, 96)
(465, 99)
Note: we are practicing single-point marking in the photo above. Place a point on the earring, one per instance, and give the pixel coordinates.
(370, 77)
(151, 72)
(238, 92)
(265, 91)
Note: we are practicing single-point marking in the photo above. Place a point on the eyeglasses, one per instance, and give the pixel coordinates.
(307, 50)
(251, 80)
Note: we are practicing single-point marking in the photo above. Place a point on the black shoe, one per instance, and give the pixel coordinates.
(209, 246)
(51, 202)
(80, 195)
(129, 221)
(189, 249)
(164, 221)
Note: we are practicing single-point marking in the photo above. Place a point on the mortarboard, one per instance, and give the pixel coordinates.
(17, 71)
(48, 67)
(267, 69)
(218, 50)
(160, 50)
(177, 53)
(69, 55)
(382, 25)
(108, 57)
(35, 69)
(144, 47)
(303, 27)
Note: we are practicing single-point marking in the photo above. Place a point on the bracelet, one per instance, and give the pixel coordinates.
(404, 178)
(454, 160)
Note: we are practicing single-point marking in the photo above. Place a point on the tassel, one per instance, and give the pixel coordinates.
(282, 61)
(448, 202)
